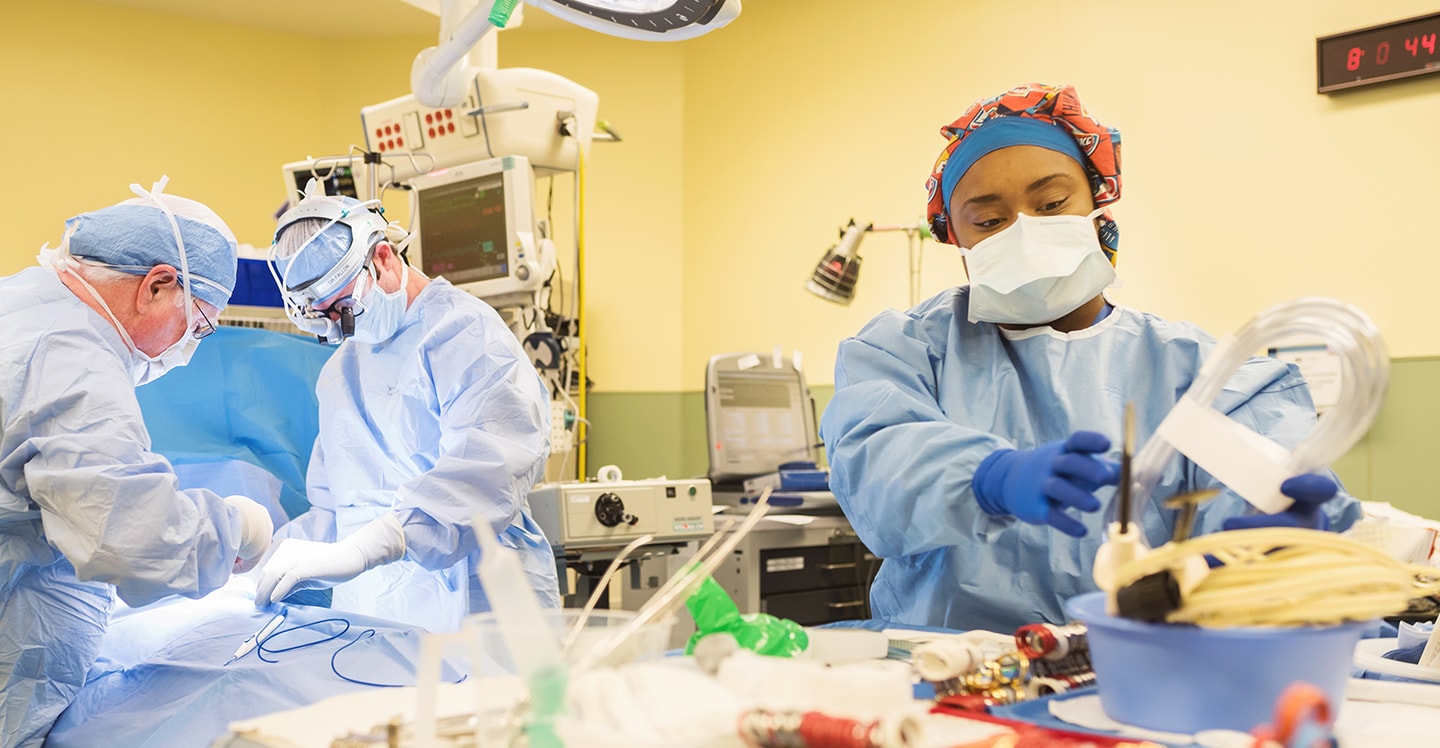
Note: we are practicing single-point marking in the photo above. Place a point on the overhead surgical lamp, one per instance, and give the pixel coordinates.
(439, 80)
(838, 271)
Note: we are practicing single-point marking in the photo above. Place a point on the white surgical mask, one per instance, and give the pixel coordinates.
(144, 368)
(1037, 270)
(384, 311)
(150, 368)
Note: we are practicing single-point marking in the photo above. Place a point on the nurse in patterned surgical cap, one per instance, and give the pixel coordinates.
(970, 438)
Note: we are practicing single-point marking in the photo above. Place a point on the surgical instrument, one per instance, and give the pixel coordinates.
(249, 645)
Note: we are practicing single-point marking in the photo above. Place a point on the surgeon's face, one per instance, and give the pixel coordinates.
(160, 319)
(155, 334)
(1020, 179)
(384, 273)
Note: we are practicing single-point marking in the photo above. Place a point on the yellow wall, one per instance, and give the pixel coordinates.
(635, 208)
(746, 149)
(1243, 187)
(112, 96)
(120, 96)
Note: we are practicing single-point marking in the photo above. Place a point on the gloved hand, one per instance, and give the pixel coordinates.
(307, 565)
(1310, 492)
(255, 531)
(1038, 485)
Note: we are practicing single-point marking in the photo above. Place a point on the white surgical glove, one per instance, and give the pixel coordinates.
(306, 565)
(255, 531)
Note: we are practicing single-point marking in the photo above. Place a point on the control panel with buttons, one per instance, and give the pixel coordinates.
(506, 112)
(593, 514)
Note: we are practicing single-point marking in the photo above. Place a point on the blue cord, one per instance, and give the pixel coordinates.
(367, 633)
(261, 649)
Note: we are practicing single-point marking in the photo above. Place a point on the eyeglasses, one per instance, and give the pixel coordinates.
(203, 327)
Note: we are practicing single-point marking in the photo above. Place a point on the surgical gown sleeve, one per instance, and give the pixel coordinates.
(317, 523)
(899, 468)
(495, 438)
(106, 501)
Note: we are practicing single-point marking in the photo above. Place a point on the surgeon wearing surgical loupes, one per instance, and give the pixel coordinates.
(430, 416)
(86, 509)
(969, 436)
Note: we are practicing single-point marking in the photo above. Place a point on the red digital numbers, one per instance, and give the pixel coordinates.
(1386, 52)
(1414, 43)
(1352, 60)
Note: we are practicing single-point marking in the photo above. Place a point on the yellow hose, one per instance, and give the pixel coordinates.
(582, 431)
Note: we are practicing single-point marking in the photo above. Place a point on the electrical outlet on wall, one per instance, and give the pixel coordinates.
(562, 423)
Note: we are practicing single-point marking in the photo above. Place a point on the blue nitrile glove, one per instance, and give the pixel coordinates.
(1038, 485)
(1310, 492)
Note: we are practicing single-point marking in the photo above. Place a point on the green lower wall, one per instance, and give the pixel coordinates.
(649, 434)
(1395, 461)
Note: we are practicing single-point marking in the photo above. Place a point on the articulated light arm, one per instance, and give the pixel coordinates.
(439, 82)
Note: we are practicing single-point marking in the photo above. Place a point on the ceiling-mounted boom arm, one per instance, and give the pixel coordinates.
(439, 81)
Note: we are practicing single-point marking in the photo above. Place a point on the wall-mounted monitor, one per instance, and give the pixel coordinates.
(336, 176)
(475, 226)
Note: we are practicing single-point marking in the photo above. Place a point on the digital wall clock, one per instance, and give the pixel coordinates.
(1390, 51)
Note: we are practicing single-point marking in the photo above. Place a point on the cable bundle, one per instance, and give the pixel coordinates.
(1286, 577)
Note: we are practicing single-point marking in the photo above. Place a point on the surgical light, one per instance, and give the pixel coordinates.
(838, 271)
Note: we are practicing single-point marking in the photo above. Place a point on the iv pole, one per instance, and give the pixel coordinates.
(915, 233)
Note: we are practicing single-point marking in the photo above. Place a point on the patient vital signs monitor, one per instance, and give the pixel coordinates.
(474, 225)
(336, 177)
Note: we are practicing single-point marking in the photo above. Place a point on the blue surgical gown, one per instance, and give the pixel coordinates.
(446, 424)
(84, 503)
(922, 397)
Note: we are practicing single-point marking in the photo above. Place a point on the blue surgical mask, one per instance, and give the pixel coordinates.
(384, 311)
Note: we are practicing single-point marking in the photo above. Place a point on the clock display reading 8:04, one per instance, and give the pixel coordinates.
(1380, 53)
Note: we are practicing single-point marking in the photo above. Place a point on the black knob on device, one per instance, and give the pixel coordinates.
(609, 509)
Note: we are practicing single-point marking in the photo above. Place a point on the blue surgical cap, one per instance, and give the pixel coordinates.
(1003, 132)
(134, 236)
(322, 251)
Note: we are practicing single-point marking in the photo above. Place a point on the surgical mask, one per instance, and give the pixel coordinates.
(384, 311)
(144, 368)
(148, 369)
(1037, 270)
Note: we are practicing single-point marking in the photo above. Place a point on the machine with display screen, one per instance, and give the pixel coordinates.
(336, 175)
(758, 414)
(474, 225)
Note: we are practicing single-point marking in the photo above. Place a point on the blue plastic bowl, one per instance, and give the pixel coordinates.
(1187, 679)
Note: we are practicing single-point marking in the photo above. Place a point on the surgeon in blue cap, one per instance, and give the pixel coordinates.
(86, 509)
(433, 427)
(969, 437)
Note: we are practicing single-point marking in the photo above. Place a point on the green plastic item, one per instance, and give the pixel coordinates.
(500, 12)
(762, 633)
(547, 702)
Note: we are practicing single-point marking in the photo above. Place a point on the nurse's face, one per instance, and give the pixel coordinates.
(1020, 179)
